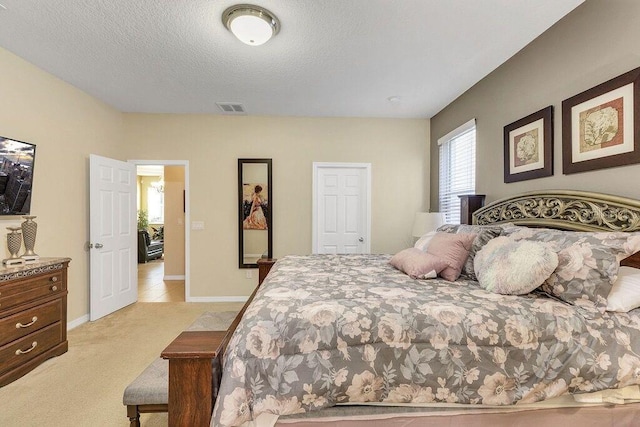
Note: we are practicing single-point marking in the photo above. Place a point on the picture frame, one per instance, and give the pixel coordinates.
(528, 147)
(601, 126)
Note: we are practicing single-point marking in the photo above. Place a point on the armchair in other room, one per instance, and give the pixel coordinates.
(148, 249)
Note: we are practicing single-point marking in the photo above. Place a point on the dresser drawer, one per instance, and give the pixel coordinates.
(26, 348)
(31, 288)
(28, 321)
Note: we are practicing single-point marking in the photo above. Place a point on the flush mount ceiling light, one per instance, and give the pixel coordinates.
(253, 25)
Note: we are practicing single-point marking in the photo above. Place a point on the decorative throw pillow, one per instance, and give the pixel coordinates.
(509, 267)
(588, 263)
(625, 293)
(484, 234)
(418, 264)
(454, 249)
(423, 242)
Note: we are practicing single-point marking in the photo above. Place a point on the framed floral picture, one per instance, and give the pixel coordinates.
(601, 126)
(528, 147)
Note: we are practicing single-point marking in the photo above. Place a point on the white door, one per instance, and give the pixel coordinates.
(113, 236)
(341, 208)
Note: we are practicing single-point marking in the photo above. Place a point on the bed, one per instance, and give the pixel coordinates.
(331, 330)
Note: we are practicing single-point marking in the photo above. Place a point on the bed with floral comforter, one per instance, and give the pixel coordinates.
(330, 329)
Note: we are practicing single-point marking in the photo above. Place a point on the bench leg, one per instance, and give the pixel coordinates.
(134, 415)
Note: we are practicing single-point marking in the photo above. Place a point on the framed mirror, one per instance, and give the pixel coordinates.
(255, 211)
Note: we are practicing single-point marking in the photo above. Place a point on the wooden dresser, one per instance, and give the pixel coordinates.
(33, 315)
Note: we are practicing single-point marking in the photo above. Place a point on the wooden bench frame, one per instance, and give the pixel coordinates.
(192, 355)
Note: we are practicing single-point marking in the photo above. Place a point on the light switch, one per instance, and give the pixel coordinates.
(248, 274)
(197, 225)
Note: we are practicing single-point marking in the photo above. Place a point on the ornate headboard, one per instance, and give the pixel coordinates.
(564, 209)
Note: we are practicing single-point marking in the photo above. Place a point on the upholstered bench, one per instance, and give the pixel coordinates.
(149, 392)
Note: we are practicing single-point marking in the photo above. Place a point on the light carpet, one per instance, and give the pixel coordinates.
(84, 386)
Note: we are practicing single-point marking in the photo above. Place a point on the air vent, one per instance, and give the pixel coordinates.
(231, 107)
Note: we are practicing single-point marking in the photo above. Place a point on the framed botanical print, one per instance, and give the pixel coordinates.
(528, 147)
(601, 126)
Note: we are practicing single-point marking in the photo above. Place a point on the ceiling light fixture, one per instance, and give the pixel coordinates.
(252, 25)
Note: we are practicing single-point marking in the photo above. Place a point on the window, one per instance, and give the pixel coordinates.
(155, 204)
(457, 169)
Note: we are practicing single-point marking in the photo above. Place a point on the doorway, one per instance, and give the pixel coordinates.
(163, 237)
(341, 208)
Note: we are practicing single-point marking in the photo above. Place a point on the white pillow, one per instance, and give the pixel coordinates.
(423, 242)
(625, 294)
(509, 267)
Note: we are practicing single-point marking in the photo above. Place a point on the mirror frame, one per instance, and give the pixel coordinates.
(241, 163)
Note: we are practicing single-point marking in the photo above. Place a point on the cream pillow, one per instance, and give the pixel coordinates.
(512, 267)
(625, 293)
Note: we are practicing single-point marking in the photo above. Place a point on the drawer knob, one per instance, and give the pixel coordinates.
(34, 319)
(54, 279)
(54, 288)
(33, 345)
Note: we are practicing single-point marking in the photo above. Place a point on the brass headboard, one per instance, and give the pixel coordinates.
(564, 209)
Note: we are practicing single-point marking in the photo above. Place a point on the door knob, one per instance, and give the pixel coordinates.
(98, 245)
(361, 239)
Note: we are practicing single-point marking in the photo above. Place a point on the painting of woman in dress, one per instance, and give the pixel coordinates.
(255, 207)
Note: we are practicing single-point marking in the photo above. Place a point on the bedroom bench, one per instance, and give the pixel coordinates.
(197, 354)
(193, 351)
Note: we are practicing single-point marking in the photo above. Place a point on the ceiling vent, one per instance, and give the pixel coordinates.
(231, 107)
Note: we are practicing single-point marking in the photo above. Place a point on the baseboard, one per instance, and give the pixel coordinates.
(77, 322)
(218, 299)
(181, 277)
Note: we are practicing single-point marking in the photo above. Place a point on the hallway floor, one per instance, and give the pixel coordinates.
(151, 287)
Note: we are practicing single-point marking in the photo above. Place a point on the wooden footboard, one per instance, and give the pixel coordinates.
(195, 367)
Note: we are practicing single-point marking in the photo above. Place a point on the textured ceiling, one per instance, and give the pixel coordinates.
(331, 57)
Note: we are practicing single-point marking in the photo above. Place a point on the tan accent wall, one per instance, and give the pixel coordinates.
(397, 150)
(66, 125)
(174, 221)
(594, 43)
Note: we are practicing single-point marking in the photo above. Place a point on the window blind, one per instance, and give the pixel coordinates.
(457, 169)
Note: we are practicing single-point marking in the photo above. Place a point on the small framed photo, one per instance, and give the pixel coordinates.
(601, 126)
(528, 147)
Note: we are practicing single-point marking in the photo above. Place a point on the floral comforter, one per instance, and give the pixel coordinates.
(327, 329)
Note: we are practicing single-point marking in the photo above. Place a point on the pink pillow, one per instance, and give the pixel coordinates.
(418, 264)
(452, 248)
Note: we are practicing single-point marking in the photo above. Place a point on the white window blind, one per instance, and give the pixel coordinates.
(457, 169)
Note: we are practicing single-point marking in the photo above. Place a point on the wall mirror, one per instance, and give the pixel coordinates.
(255, 210)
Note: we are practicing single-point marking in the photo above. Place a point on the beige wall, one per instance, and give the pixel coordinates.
(397, 150)
(174, 221)
(594, 43)
(66, 125)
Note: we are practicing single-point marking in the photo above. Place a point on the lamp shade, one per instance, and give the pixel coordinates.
(425, 222)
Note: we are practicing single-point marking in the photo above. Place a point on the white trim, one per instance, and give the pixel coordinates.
(314, 216)
(457, 131)
(77, 322)
(187, 215)
(218, 299)
(175, 277)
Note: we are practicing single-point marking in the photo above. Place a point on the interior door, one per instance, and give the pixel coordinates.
(113, 237)
(342, 204)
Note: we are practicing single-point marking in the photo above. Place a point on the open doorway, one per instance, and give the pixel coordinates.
(162, 211)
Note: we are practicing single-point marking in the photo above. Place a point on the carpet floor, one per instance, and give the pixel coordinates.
(84, 386)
